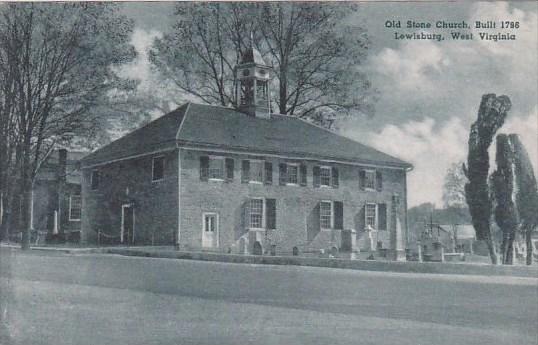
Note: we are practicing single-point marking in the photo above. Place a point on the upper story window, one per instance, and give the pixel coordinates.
(94, 179)
(157, 168)
(75, 207)
(370, 180)
(256, 171)
(293, 172)
(216, 168)
(326, 176)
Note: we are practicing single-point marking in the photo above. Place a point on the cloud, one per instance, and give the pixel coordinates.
(527, 129)
(140, 68)
(430, 92)
(430, 149)
(412, 65)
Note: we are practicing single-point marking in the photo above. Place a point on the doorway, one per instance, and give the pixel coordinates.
(210, 231)
(127, 224)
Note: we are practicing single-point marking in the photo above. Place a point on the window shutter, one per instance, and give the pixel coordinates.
(338, 215)
(229, 169)
(204, 168)
(379, 181)
(268, 173)
(303, 174)
(245, 171)
(362, 179)
(317, 178)
(335, 178)
(313, 225)
(361, 219)
(283, 176)
(270, 213)
(382, 216)
(245, 210)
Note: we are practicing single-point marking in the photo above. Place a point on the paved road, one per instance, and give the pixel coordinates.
(106, 299)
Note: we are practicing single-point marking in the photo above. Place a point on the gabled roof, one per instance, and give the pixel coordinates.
(207, 126)
(158, 135)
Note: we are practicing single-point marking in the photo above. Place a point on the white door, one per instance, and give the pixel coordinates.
(210, 234)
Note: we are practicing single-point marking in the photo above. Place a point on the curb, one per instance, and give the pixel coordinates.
(364, 265)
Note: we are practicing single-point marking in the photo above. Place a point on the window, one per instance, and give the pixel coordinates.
(210, 222)
(216, 168)
(369, 179)
(94, 181)
(325, 176)
(256, 171)
(292, 172)
(261, 213)
(158, 168)
(371, 218)
(325, 214)
(256, 213)
(261, 92)
(247, 91)
(75, 207)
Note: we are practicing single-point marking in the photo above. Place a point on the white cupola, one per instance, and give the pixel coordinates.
(253, 76)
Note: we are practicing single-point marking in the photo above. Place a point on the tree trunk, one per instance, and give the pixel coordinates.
(492, 251)
(528, 242)
(26, 215)
(26, 194)
(508, 248)
(4, 235)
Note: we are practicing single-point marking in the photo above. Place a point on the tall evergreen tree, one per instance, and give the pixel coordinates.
(491, 115)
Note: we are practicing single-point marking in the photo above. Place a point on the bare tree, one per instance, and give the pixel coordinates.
(314, 51)
(7, 126)
(491, 115)
(504, 196)
(60, 56)
(202, 49)
(526, 194)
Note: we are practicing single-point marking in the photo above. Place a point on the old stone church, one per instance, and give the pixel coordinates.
(243, 180)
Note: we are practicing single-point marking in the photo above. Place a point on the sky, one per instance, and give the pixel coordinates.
(429, 91)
